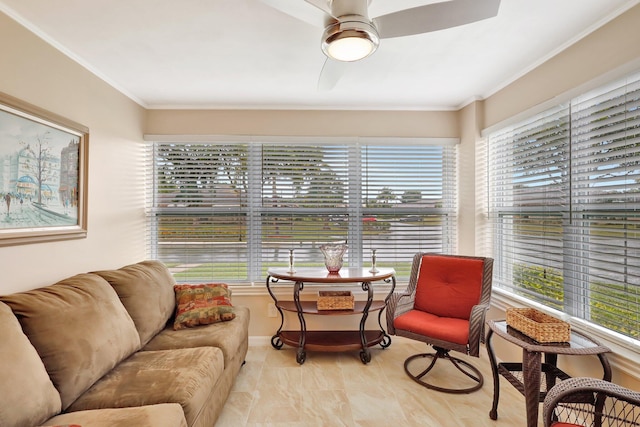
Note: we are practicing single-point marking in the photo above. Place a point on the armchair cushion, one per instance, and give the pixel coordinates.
(441, 328)
(450, 279)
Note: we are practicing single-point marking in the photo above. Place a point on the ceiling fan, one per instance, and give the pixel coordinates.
(350, 35)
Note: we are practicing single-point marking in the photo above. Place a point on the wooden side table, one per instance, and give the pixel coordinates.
(330, 340)
(526, 376)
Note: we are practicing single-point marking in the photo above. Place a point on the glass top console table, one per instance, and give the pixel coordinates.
(305, 340)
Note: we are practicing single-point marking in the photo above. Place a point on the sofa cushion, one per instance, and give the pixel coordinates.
(140, 286)
(185, 376)
(230, 337)
(28, 395)
(80, 329)
(163, 415)
(202, 305)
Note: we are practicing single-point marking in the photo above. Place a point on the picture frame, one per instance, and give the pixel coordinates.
(43, 175)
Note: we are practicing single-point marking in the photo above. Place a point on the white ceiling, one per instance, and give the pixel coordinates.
(244, 54)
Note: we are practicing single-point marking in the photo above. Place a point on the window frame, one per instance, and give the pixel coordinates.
(573, 217)
(358, 254)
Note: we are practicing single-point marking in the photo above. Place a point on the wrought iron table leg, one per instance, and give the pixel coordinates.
(276, 342)
(386, 339)
(365, 354)
(300, 354)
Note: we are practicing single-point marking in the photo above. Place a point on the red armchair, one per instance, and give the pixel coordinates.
(444, 306)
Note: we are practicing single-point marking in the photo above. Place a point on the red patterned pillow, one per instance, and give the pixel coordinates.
(202, 304)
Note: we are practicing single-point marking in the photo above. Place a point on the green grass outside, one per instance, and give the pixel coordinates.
(224, 230)
(612, 305)
(209, 271)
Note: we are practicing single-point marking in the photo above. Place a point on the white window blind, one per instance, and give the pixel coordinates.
(605, 232)
(228, 211)
(529, 196)
(564, 207)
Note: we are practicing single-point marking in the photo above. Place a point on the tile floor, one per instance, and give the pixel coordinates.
(337, 389)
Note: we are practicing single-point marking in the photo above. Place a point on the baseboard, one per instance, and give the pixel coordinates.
(259, 341)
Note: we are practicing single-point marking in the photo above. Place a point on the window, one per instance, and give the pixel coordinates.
(228, 210)
(564, 207)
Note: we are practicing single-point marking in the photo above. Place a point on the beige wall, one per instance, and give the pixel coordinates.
(467, 171)
(33, 71)
(612, 46)
(303, 122)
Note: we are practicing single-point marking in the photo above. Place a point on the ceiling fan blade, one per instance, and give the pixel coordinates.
(332, 72)
(434, 17)
(314, 12)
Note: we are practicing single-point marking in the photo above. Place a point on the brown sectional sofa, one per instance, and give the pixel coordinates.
(98, 349)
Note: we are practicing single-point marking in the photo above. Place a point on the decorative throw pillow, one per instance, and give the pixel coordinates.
(202, 305)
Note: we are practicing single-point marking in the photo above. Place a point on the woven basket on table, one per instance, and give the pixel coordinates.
(539, 326)
(335, 300)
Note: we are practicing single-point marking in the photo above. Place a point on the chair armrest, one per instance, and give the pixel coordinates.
(398, 304)
(476, 328)
(581, 400)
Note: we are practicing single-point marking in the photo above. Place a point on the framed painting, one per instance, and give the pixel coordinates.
(43, 175)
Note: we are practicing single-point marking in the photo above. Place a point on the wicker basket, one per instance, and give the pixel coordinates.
(335, 300)
(539, 326)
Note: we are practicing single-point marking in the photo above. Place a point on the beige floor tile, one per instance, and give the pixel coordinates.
(325, 377)
(337, 389)
(236, 409)
(364, 377)
(276, 378)
(285, 357)
(249, 376)
(327, 408)
(275, 405)
(375, 404)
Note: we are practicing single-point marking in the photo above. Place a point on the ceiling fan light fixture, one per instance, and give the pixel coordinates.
(350, 41)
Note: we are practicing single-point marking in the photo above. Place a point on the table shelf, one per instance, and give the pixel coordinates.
(332, 341)
(311, 307)
(513, 373)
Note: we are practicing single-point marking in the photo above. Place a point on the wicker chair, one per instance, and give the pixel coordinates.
(590, 402)
(444, 306)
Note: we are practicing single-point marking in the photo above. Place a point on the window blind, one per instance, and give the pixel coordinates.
(230, 210)
(529, 197)
(605, 230)
(564, 207)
